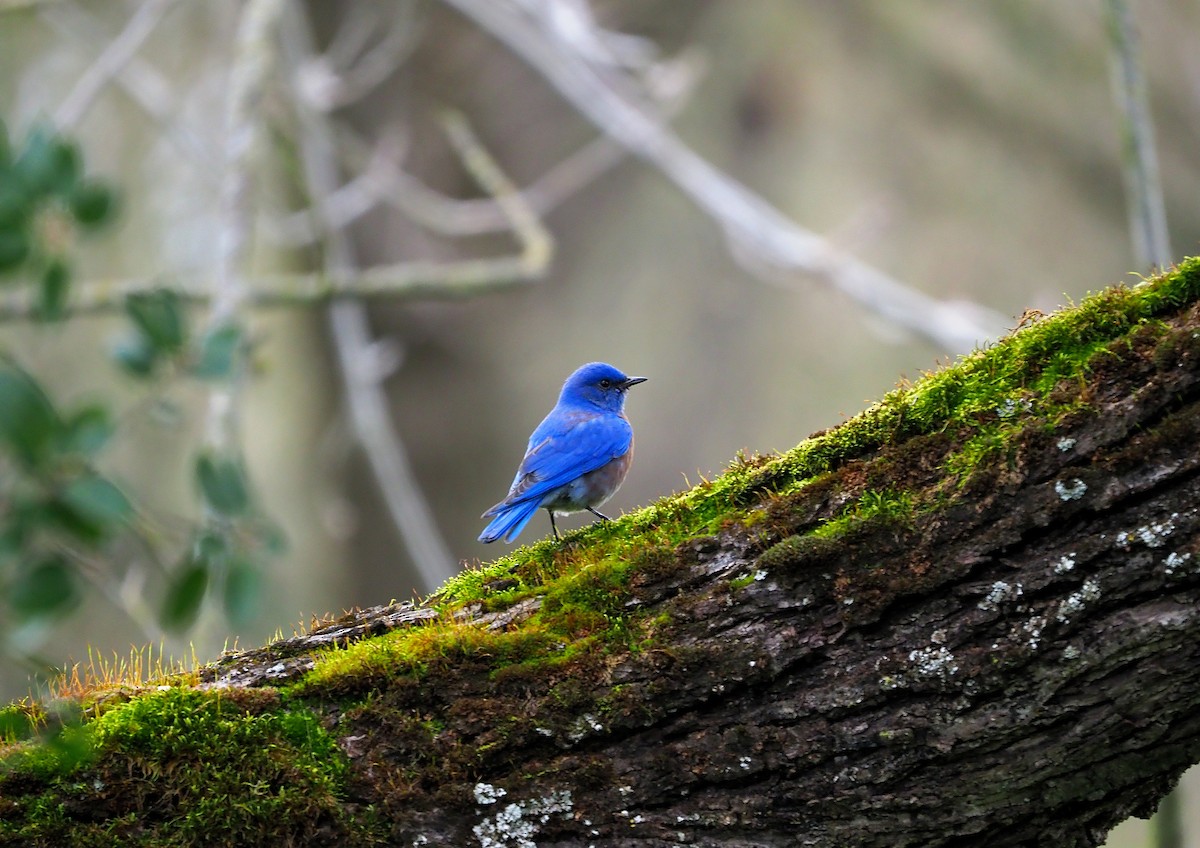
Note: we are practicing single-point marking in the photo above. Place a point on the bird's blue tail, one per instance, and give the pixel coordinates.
(509, 521)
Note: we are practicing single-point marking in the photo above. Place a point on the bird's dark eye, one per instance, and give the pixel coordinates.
(606, 383)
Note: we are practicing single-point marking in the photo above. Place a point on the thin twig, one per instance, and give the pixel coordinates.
(367, 405)
(138, 78)
(115, 57)
(19, 5)
(753, 227)
(475, 216)
(401, 282)
(1147, 209)
(254, 56)
(491, 179)
(349, 70)
(339, 209)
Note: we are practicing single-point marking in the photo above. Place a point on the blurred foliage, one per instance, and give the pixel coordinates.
(45, 201)
(58, 512)
(161, 341)
(55, 508)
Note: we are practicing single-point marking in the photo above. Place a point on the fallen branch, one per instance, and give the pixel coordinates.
(970, 613)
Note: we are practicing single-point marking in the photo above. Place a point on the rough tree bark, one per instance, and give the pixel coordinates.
(968, 616)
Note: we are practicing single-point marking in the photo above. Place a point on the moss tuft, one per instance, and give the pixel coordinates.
(184, 767)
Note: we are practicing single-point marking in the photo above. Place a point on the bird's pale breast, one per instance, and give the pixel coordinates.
(591, 489)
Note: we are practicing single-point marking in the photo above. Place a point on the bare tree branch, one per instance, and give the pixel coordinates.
(753, 226)
(114, 58)
(339, 208)
(253, 60)
(400, 282)
(148, 88)
(889, 637)
(349, 70)
(453, 216)
(1147, 209)
(18, 5)
(365, 399)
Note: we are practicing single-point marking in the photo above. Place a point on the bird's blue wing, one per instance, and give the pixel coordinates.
(566, 446)
(563, 447)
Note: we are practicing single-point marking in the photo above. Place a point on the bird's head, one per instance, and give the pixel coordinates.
(597, 384)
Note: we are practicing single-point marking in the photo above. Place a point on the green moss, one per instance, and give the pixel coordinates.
(20, 720)
(182, 767)
(579, 611)
(796, 550)
(875, 505)
(741, 582)
(372, 663)
(601, 588)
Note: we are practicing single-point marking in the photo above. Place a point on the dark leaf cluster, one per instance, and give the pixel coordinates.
(54, 503)
(46, 199)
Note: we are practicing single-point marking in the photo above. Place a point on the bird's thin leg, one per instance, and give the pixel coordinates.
(553, 526)
(597, 513)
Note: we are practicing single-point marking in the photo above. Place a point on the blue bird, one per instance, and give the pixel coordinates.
(576, 458)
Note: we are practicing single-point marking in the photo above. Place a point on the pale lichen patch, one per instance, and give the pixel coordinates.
(517, 824)
(1072, 491)
(1000, 592)
(1175, 562)
(1077, 601)
(1065, 564)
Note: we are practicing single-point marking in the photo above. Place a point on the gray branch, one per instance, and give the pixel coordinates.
(366, 401)
(1147, 209)
(115, 57)
(756, 230)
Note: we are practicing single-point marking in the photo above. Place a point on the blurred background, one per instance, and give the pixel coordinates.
(971, 152)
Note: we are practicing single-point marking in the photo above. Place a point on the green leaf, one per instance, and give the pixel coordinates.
(23, 520)
(90, 508)
(28, 423)
(5, 146)
(33, 165)
(63, 520)
(87, 431)
(14, 249)
(14, 204)
(223, 484)
(159, 316)
(12, 545)
(136, 355)
(92, 204)
(184, 596)
(218, 354)
(47, 589)
(53, 290)
(243, 592)
(98, 502)
(48, 162)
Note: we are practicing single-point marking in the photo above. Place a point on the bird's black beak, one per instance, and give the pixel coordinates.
(632, 381)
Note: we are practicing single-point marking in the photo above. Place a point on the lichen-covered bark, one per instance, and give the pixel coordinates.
(1011, 657)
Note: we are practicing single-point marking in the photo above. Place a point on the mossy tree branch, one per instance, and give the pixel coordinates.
(969, 614)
